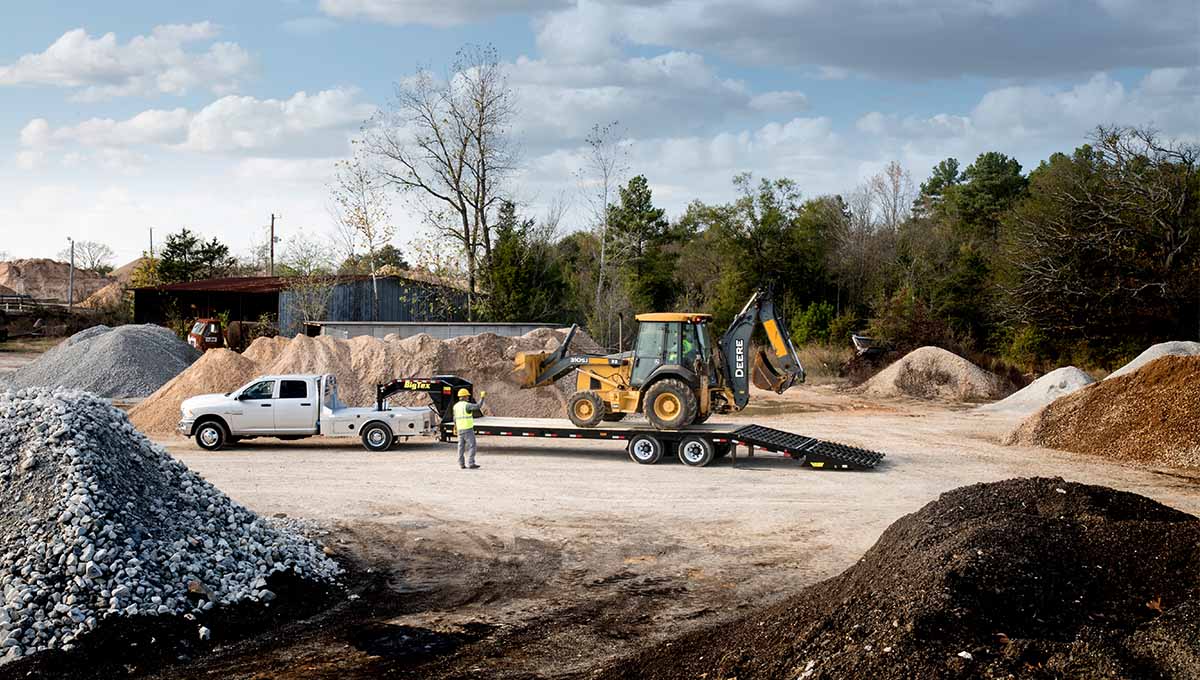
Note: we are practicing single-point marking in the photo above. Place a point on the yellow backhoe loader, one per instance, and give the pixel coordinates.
(674, 374)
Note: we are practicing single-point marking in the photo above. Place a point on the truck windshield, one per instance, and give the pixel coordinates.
(198, 328)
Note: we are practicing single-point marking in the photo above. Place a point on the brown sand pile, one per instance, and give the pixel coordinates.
(217, 370)
(108, 297)
(1025, 578)
(49, 279)
(5, 290)
(124, 273)
(264, 350)
(1151, 415)
(363, 362)
(934, 373)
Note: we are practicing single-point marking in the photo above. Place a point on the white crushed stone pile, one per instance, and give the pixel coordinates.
(935, 373)
(127, 361)
(1035, 395)
(1179, 348)
(96, 522)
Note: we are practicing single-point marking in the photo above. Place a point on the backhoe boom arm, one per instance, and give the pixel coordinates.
(775, 367)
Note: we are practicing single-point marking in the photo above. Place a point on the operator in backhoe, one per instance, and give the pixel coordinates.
(464, 427)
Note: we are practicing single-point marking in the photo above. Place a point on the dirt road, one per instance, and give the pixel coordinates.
(556, 557)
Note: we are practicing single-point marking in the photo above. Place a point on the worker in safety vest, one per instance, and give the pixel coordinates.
(464, 426)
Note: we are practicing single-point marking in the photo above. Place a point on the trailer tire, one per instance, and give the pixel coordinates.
(211, 435)
(585, 408)
(670, 404)
(645, 449)
(696, 451)
(377, 437)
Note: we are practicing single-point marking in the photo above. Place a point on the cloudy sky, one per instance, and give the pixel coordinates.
(122, 116)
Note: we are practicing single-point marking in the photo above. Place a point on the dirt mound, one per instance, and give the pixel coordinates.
(363, 362)
(1148, 416)
(1178, 348)
(108, 297)
(934, 373)
(49, 279)
(5, 290)
(216, 371)
(1031, 578)
(1057, 383)
(98, 526)
(126, 361)
(124, 273)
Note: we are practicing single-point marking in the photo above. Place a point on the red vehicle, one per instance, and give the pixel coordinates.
(206, 334)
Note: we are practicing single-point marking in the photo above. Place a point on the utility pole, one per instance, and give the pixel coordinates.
(151, 243)
(71, 278)
(272, 270)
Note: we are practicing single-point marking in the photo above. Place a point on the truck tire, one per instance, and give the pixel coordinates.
(645, 449)
(585, 408)
(696, 451)
(670, 404)
(211, 435)
(377, 437)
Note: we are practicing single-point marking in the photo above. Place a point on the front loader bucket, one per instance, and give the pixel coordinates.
(528, 366)
(767, 376)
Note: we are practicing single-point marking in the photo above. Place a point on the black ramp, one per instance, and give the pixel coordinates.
(816, 453)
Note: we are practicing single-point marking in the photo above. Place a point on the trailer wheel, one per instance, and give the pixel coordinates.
(645, 449)
(377, 437)
(670, 404)
(585, 408)
(211, 435)
(696, 451)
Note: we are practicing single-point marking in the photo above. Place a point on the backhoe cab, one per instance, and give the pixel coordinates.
(675, 374)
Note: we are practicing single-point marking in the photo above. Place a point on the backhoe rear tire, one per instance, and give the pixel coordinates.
(670, 404)
(585, 409)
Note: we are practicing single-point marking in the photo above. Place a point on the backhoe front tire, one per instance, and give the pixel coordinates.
(585, 409)
(670, 404)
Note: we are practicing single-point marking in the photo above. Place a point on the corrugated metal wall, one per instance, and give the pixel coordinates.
(399, 300)
(436, 329)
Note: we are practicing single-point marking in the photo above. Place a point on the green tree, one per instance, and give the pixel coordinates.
(186, 257)
(642, 239)
(388, 257)
(524, 280)
(990, 186)
(944, 175)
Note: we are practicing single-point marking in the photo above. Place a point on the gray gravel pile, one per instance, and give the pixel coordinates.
(1035, 395)
(1178, 348)
(127, 361)
(96, 522)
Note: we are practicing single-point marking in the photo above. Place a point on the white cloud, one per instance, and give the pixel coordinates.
(433, 12)
(102, 68)
(906, 39)
(779, 100)
(229, 124)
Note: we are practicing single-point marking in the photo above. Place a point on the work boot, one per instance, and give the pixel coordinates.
(473, 466)
(462, 467)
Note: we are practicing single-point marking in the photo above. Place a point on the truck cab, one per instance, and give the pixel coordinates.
(295, 406)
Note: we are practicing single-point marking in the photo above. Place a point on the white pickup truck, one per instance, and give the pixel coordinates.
(295, 407)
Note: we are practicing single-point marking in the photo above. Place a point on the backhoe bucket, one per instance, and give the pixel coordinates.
(767, 376)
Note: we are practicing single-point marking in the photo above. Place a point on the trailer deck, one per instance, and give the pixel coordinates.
(724, 438)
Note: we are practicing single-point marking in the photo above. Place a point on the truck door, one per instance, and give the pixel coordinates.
(258, 409)
(296, 407)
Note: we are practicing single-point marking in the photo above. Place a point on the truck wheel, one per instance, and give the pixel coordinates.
(211, 435)
(585, 409)
(645, 449)
(696, 451)
(670, 404)
(613, 417)
(377, 437)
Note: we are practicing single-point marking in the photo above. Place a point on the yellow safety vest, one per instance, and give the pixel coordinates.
(463, 418)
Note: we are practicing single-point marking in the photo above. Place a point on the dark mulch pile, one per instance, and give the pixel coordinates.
(1027, 578)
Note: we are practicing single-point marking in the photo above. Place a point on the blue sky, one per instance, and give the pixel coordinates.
(213, 115)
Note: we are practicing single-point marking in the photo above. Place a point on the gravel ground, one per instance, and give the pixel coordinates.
(128, 361)
(556, 558)
(97, 524)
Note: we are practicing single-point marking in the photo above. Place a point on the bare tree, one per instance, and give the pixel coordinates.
(90, 255)
(893, 193)
(446, 143)
(360, 207)
(605, 164)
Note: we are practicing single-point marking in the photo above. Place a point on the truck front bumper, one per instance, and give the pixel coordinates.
(185, 427)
